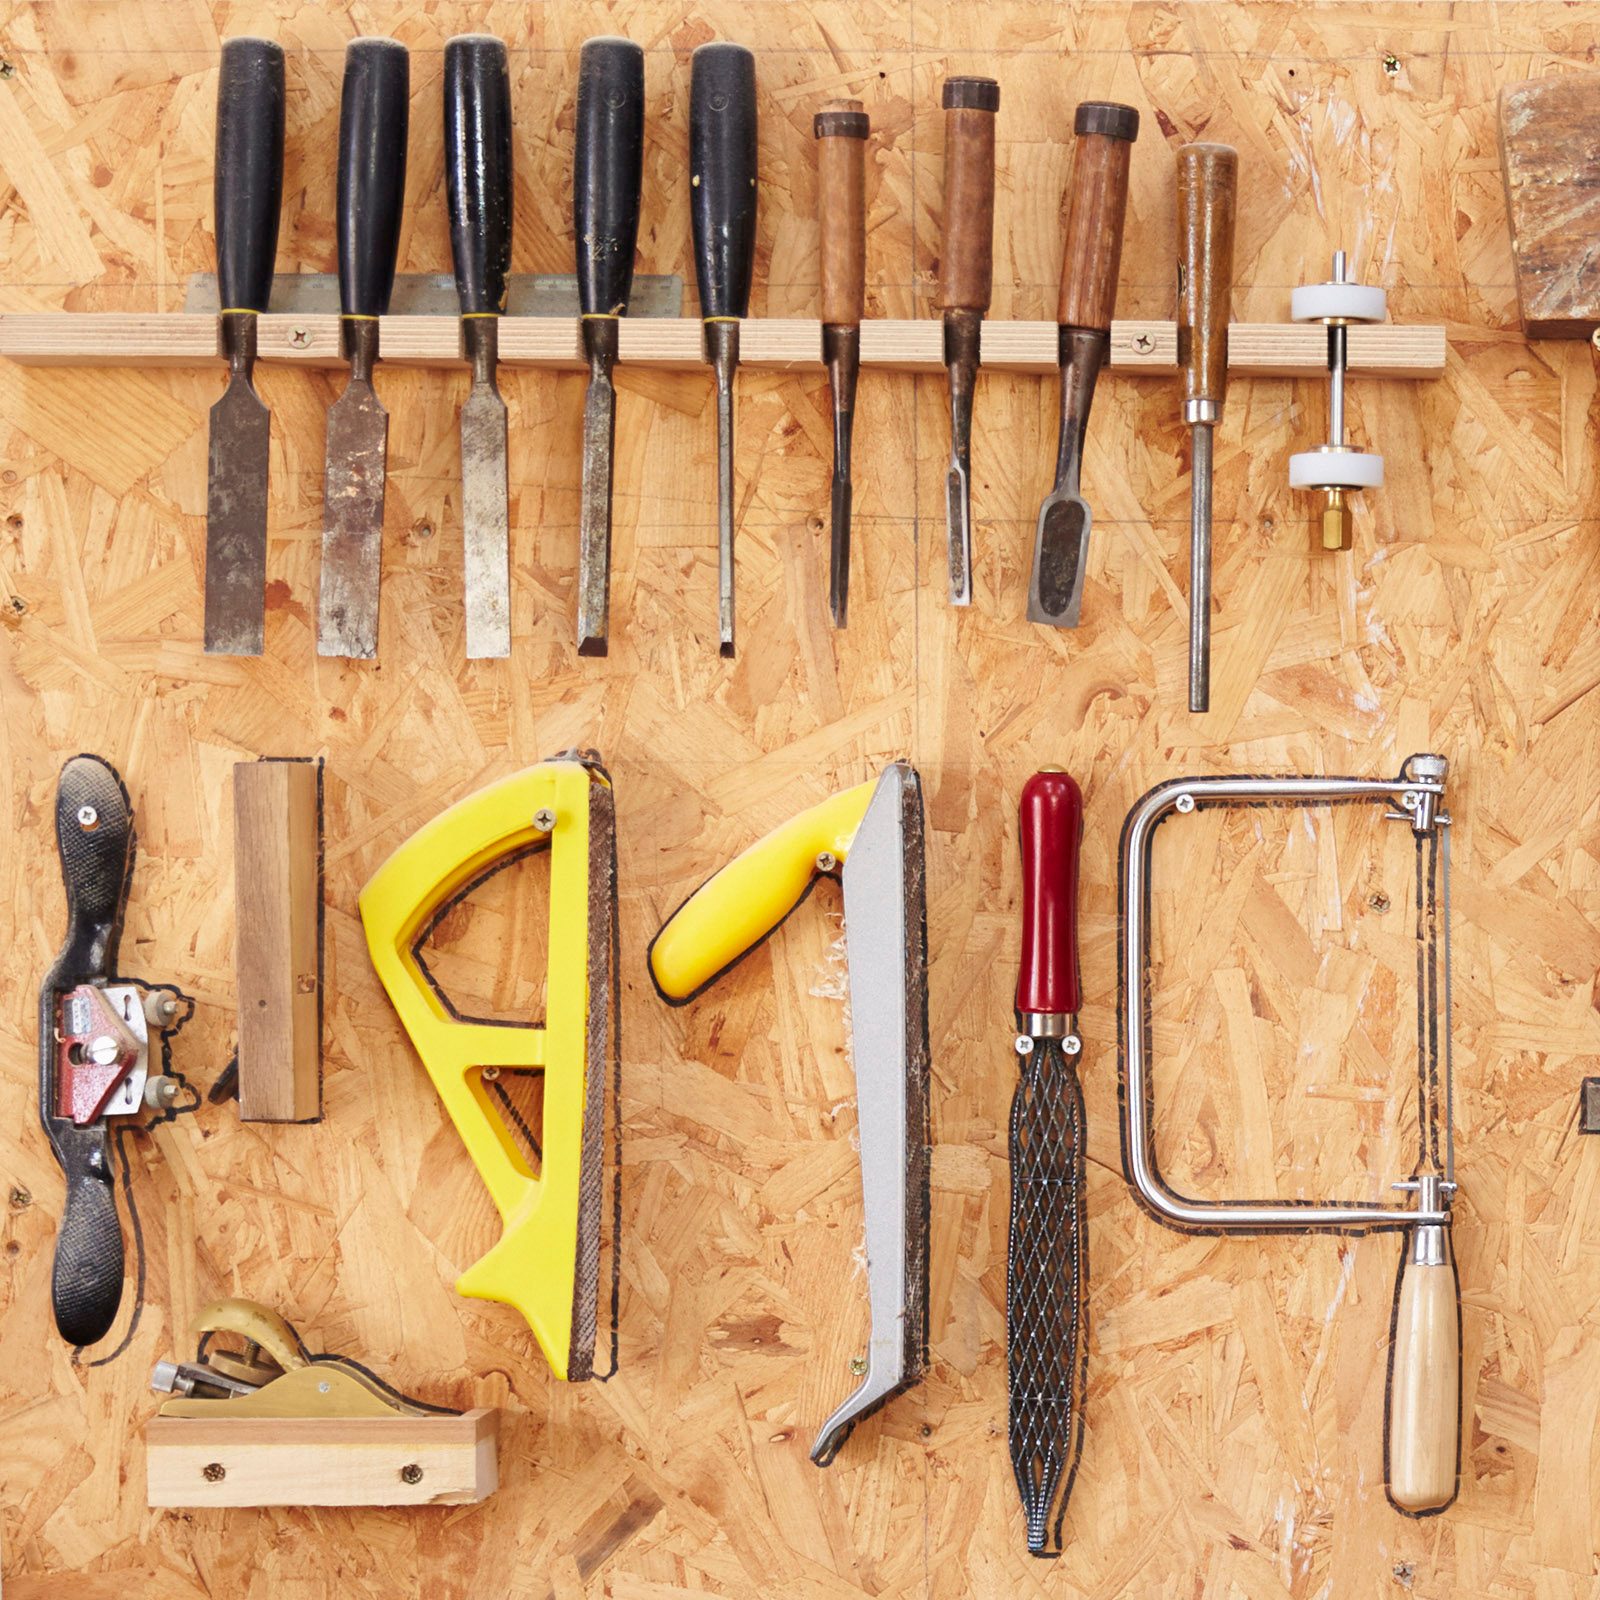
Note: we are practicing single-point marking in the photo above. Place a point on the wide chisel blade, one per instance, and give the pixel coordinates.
(485, 516)
(236, 523)
(352, 528)
(594, 534)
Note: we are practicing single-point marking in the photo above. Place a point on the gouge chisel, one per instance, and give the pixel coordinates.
(841, 129)
(249, 196)
(966, 279)
(373, 118)
(1047, 1251)
(722, 209)
(477, 171)
(607, 172)
(1208, 181)
(1097, 199)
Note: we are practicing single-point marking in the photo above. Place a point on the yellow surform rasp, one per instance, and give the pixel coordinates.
(872, 836)
(547, 1261)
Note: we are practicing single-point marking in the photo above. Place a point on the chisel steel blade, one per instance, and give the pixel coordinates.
(1060, 558)
(958, 530)
(885, 938)
(352, 526)
(485, 515)
(236, 523)
(594, 536)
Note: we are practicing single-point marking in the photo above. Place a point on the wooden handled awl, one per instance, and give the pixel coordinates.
(249, 195)
(1047, 1248)
(1208, 182)
(607, 172)
(373, 119)
(722, 210)
(841, 131)
(1097, 201)
(477, 171)
(966, 280)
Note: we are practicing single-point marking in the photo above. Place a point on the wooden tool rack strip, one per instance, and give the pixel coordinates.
(172, 339)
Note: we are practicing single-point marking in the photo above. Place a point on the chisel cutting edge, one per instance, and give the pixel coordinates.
(722, 209)
(1208, 180)
(841, 129)
(477, 153)
(607, 172)
(249, 196)
(1096, 203)
(966, 279)
(373, 117)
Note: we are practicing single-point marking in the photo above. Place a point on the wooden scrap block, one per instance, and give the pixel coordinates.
(276, 833)
(322, 1461)
(1550, 159)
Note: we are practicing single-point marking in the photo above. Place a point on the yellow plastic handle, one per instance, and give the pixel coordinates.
(534, 1265)
(749, 897)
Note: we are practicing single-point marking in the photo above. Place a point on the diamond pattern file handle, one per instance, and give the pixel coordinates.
(1047, 1257)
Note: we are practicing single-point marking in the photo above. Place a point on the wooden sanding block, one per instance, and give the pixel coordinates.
(277, 853)
(1550, 158)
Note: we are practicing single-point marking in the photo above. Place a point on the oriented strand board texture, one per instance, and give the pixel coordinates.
(1235, 1425)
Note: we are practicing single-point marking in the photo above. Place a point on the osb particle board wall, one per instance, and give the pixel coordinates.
(1236, 1388)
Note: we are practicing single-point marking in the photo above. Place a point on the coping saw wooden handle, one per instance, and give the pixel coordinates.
(966, 259)
(841, 129)
(1097, 202)
(1051, 816)
(1425, 1382)
(738, 907)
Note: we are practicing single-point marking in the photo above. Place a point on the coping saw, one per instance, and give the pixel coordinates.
(547, 1262)
(94, 1044)
(872, 836)
(1423, 1395)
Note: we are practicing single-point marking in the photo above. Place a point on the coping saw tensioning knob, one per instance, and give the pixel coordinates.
(1335, 468)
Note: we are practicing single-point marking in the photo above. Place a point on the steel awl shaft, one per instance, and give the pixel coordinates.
(841, 129)
(966, 281)
(1097, 201)
(722, 210)
(1208, 182)
(373, 120)
(607, 173)
(249, 196)
(477, 154)
(1047, 1248)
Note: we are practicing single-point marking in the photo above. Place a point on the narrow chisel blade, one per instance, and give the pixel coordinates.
(839, 559)
(594, 537)
(352, 523)
(486, 523)
(236, 524)
(958, 530)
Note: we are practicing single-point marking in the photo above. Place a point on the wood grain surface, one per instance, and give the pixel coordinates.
(1235, 1401)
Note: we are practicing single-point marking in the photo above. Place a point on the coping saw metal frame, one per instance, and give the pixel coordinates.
(1415, 796)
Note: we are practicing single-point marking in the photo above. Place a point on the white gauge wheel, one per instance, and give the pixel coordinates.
(1343, 302)
(1331, 468)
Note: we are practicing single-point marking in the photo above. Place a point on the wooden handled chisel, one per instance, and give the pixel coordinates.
(1097, 200)
(966, 280)
(249, 196)
(722, 209)
(1208, 181)
(607, 174)
(373, 120)
(1047, 1249)
(477, 171)
(841, 129)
